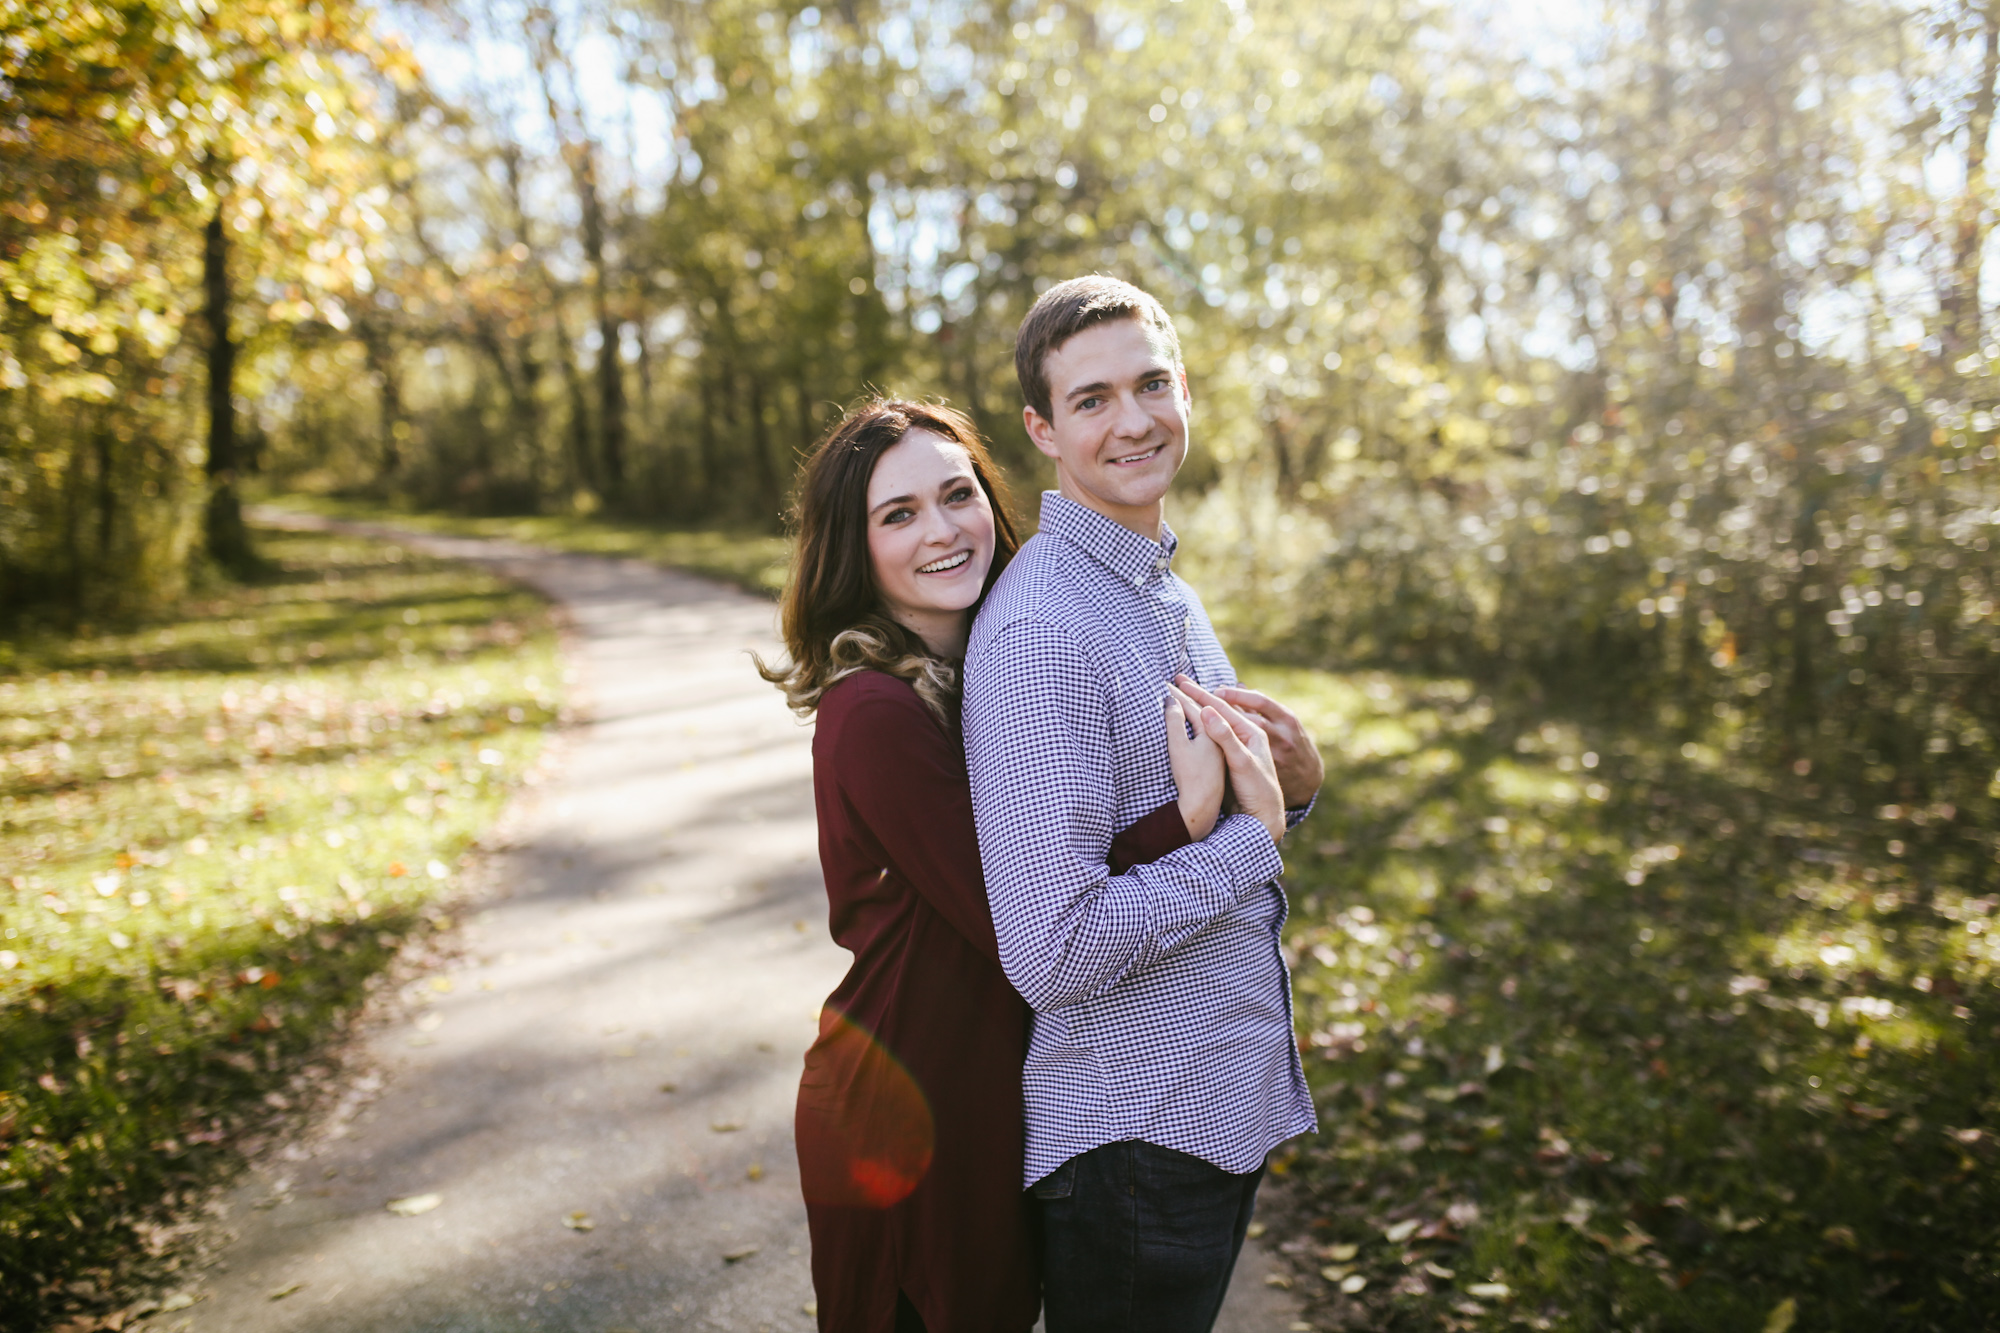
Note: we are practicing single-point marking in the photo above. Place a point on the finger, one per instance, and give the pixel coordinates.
(1252, 735)
(1238, 750)
(1273, 716)
(1193, 689)
(1218, 729)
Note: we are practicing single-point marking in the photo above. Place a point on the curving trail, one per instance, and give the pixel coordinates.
(656, 919)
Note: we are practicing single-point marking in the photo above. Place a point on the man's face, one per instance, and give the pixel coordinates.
(1118, 424)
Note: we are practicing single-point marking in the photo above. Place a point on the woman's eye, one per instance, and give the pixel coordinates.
(896, 516)
(959, 496)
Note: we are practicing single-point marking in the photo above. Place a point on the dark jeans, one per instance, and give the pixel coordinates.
(1140, 1239)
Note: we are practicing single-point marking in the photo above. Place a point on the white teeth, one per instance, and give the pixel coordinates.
(1134, 458)
(949, 562)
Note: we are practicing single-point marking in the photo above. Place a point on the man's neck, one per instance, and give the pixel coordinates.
(1145, 520)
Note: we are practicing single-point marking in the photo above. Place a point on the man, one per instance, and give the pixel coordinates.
(1162, 1066)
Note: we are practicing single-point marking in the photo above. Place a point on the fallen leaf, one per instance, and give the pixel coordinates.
(1402, 1231)
(279, 1293)
(1254, 1230)
(578, 1221)
(1336, 1272)
(1278, 1280)
(411, 1205)
(740, 1254)
(1352, 1285)
(1341, 1254)
(756, 1171)
(1438, 1271)
(180, 1300)
(1781, 1316)
(669, 1087)
(810, 1308)
(1489, 1291)
(725, 1126)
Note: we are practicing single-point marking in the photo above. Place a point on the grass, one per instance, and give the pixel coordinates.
(1615, 1031)
(753, 561)
(215, 829)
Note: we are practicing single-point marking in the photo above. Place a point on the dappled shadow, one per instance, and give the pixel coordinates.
(1545, 958)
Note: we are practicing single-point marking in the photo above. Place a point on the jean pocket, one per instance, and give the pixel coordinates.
(1057, 1184)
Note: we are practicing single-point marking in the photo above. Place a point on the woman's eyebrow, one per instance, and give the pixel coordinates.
(892, 500)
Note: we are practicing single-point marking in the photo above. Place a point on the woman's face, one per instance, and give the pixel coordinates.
(930, 534)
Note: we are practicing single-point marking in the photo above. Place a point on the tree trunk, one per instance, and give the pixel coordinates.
(760, 443)
(580, 153)
(388, 396)
(1962, 322)
(228, 539)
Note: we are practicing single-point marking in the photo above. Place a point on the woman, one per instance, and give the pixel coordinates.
(909, 1113)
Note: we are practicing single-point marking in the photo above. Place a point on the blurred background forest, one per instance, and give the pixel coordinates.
(1629, 362)
(1646, 341)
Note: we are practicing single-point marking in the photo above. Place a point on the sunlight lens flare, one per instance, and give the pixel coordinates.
(865, 1130)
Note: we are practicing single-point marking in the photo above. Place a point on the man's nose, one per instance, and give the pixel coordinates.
(1133, 419)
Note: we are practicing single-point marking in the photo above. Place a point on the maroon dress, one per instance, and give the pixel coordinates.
(909, 1114)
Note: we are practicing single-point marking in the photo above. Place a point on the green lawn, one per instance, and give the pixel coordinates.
(1612, 1032)
(753, 561)
(214, 829)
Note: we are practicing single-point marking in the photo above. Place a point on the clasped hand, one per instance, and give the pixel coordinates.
(1223, 748)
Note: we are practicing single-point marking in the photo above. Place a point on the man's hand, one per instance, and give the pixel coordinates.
(1300, 768)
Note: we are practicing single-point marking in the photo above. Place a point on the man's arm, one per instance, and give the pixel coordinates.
(1037, 735)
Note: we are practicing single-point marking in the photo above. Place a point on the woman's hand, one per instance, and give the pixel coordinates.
(1197, 765)
(1246, 751)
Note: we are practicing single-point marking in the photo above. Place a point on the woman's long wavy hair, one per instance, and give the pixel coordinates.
(834, 622)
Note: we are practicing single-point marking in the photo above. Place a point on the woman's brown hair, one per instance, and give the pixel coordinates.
(833, 620)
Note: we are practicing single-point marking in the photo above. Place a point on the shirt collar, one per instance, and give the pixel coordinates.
(1119, 549)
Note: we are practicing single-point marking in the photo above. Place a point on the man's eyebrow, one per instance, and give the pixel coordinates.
(1100, 386)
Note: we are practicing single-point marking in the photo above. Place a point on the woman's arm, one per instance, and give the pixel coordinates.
(904, 778)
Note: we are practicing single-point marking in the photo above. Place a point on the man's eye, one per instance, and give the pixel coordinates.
(1157, 384)
(1087, 404)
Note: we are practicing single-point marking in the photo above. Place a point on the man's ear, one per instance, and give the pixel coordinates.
(1187, 394)
(1040, 430)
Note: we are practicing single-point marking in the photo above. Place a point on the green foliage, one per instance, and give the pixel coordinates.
(218, 828)
(1613, 1030)
(127, 128)
(753, 561)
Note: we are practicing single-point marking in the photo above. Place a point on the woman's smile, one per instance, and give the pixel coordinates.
(951, 562)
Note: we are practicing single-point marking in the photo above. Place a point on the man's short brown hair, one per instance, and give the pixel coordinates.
(1067, 309)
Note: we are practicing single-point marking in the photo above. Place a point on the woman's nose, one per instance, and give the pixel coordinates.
(940, 528)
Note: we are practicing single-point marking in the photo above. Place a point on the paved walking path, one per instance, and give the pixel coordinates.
(599, 1093)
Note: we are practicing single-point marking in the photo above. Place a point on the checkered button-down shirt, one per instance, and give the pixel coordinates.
(1162, 1003)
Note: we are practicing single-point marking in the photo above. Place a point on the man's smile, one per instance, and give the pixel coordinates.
(1131, 459)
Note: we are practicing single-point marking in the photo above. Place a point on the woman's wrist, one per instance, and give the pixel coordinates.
(1199, 815)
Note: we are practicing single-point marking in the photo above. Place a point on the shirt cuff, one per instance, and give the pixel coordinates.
(1246, 848)
(1297, 816)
